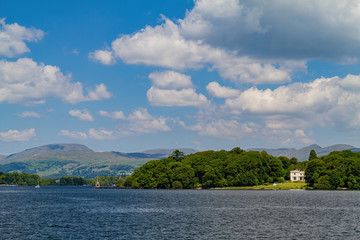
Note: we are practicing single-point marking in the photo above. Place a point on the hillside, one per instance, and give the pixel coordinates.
(57, 160)
(75, 163)
(51, 148)
(303, 153)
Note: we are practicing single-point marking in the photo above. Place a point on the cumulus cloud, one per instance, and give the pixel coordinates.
(29, 114)
(164, 46)
(82, 115)
(333, 101)
(103, 56)
(227, 129)
(170, 80)
(248, 41)
(158, 46)
(13, 37)
(101, 134)
(173, 89)
(277, 29)
(180, 98)
(17, 136)
(215, 90)
(114, 115)
(97, 134)
(140, 121)
(26, 81)
(73, 134)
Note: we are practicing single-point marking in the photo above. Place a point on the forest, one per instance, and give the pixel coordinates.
(213, 169)
(217, 169)
(25, 179)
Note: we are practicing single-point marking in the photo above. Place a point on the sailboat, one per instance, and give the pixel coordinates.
(97, 183)
(38, 184)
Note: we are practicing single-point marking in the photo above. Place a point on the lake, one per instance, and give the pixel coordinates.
(86, 213)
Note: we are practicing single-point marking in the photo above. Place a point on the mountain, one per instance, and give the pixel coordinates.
(303, 153)
(57, 160)
(51, 148)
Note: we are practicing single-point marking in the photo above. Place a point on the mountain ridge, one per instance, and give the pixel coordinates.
(302, 154)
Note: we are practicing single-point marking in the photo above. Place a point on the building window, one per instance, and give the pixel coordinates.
(294, 178)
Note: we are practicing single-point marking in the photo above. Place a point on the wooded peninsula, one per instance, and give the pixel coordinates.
(221, 169)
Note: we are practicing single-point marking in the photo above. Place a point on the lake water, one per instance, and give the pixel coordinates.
(86, 213)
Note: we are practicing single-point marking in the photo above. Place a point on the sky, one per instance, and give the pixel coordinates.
(209, 74)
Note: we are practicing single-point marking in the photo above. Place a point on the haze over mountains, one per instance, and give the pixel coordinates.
(56, 160)
(302, 154)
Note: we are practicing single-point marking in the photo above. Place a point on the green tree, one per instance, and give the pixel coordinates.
(323, 183)
(312, 155)
(177, 155)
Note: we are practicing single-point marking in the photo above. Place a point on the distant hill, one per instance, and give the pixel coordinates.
(51, 148)
(57, 160)
(87, 164)
(303, 153)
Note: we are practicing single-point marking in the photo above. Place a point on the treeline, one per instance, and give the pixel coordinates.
(336, 170)
(211, 169)
(25, 179)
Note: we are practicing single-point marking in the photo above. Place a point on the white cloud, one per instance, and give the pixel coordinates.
(324, 101)
(170, 80)
(114, 115)
(101, 134)
(140, 121)
(227, 129)
(17, 136)
(103, 56)
(26, 81)
(164, 46)
(74, 134)
(215, 90)
(13, 37)
(174, 89)
(75, 52)
(248, 41)
(28, 114)
(82, 115)
(277, 29)
(180, 98)
(158, 46)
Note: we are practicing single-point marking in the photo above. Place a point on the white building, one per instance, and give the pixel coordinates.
(297, 176)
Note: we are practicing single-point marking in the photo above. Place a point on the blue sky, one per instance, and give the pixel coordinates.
(134, 75)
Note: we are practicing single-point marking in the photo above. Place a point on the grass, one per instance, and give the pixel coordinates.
(279, 186)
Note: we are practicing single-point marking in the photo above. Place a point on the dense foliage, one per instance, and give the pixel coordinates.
(338, 169)
(23, 179)
(211, 169)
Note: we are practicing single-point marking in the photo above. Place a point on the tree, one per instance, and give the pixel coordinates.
(312, 155)
(177, 155)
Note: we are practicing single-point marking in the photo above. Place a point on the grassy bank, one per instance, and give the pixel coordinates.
(279, 186)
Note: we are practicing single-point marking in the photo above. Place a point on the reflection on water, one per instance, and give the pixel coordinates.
(86, 213)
